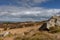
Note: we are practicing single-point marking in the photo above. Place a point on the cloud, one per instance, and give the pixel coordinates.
(24, 3)
(13, 13)
(40, 1)
(25, 10)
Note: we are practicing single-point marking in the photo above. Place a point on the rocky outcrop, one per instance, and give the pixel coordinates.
(54, 21)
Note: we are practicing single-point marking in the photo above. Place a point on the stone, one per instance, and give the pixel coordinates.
(54, 21)
(3, 34)
(6, 33)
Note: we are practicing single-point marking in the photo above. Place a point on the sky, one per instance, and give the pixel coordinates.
(28, 10)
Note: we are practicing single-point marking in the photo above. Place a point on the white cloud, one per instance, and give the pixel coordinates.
(14, 11)
(25, 11)
(26, 3)
(19, 13)
(40, 1)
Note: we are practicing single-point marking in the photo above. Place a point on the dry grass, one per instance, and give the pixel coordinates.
(36, 36)
(54, 29)
(32, 33)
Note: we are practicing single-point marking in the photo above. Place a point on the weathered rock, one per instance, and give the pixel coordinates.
(3, 34)
(54, 21)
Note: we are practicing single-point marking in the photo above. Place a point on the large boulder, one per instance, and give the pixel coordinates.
(54, 21)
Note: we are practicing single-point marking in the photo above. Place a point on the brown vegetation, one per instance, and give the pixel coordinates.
(30, 31)
(8, 26)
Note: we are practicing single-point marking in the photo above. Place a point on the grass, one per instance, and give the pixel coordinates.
(54, 29)
(36, 36)
(1, 38)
